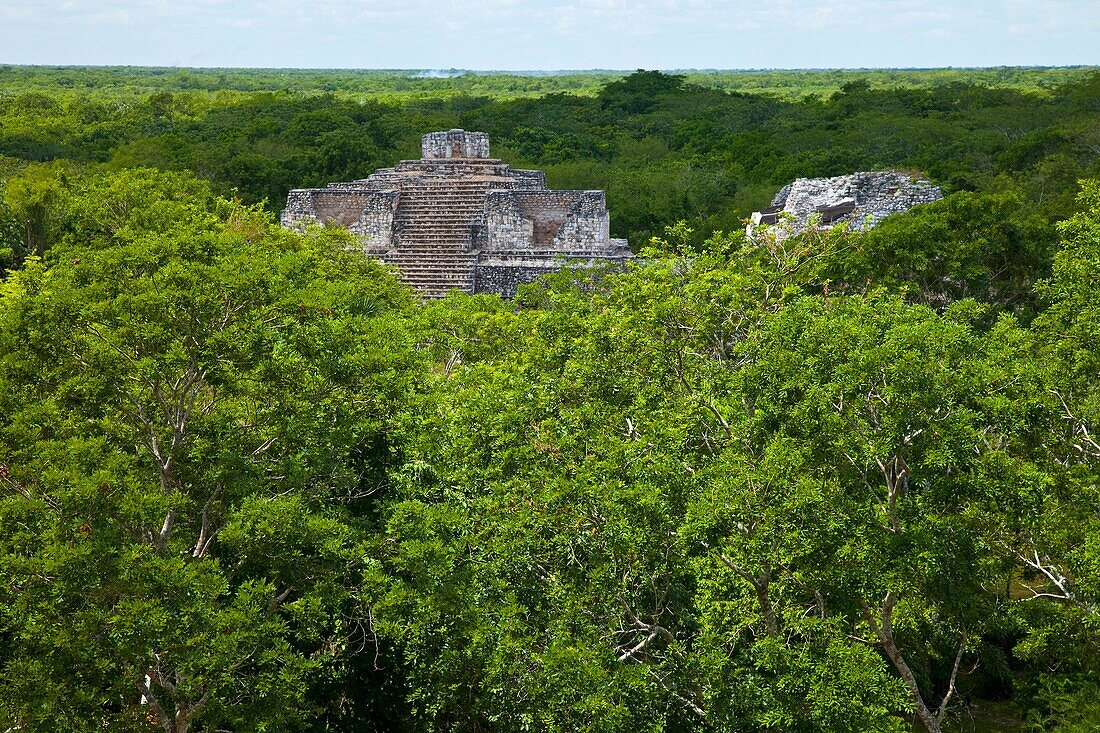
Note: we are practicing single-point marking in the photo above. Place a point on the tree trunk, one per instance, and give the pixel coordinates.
(36, 238)
(883, 628)
(762, 585)
(923, 712)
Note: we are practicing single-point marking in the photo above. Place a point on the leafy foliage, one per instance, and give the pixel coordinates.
(835, 482)
(181, 462)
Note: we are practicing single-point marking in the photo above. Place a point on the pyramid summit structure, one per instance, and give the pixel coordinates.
(459, 219)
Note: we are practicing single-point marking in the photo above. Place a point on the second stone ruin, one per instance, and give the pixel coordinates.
(859, 201)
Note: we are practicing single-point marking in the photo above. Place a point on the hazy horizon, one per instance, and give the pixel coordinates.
(557, 35)
(546, 71)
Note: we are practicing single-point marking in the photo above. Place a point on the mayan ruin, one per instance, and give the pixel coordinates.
(458, 219)
(860, 201)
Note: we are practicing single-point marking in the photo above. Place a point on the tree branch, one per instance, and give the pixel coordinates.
(148, 698)
(951, 682)
(206, 536)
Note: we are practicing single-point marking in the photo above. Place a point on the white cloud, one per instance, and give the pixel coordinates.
(19, 13)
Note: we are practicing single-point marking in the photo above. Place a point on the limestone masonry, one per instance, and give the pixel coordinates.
(458, 219)
(860, 200)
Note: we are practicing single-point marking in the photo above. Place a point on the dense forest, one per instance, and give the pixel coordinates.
(840, 482)
(663, 149)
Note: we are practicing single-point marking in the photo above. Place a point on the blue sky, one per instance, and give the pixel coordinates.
(552, 34)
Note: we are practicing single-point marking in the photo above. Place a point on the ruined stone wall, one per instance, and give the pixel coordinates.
(588, 227)
(523, 180)
(876, 195)
(503, 274)
(503, 278)
(548, 212)
(367, 214)
(455, 144)
(870, 196)
(299, 208)
(375, 222)
(506, 228)
(564, 221)
(531, 233)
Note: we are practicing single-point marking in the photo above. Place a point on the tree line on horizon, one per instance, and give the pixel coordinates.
(663, 149)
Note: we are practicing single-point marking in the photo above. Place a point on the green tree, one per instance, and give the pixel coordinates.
(11, 236)
(36, 198)
(991, 247)
(190, 398)
(1058, 549)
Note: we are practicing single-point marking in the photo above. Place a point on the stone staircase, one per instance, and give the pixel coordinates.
(432, 233)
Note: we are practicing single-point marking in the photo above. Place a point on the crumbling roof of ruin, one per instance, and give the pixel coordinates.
(860, 201)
